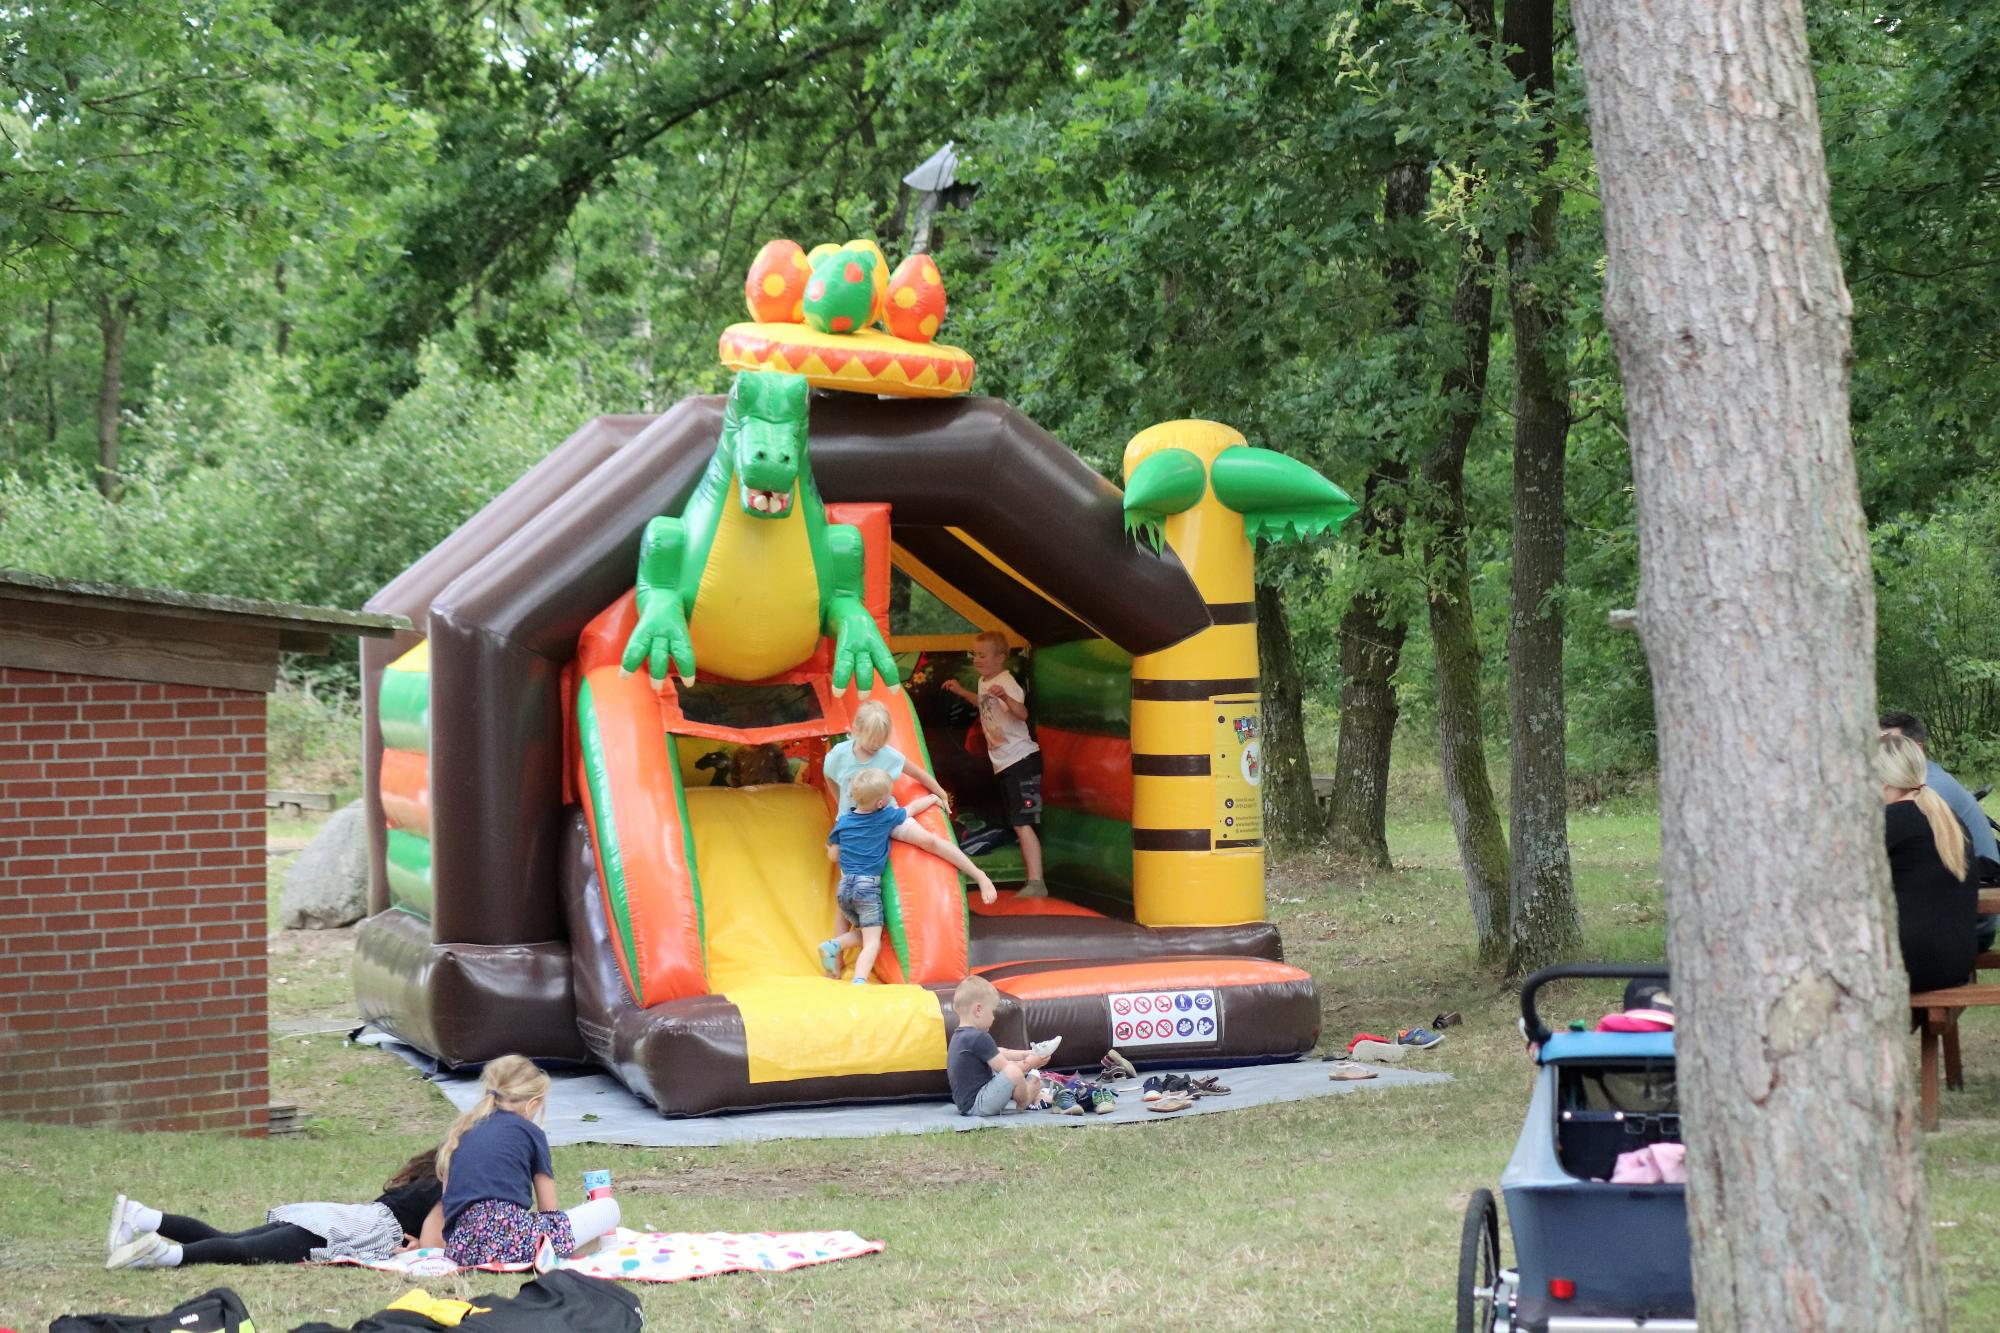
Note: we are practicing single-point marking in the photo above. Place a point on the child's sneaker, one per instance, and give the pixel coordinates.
(121, 1231)
(829, 959)
(1421, 1039)
(1103, 1101)
(1065, 1103)
(1150, 1090)
(151, 1250)
(1046, 1048)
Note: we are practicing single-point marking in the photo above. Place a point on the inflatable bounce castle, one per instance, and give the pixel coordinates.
(592, 775)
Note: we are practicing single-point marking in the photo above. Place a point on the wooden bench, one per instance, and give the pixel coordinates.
(1939, 1011)
(297, 802)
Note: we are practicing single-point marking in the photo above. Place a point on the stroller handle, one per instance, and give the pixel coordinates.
(1531, 1022)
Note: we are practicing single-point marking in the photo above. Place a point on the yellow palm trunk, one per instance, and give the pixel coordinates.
(1197, 807)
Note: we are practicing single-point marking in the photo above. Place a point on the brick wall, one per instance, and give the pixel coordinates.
(132, 904)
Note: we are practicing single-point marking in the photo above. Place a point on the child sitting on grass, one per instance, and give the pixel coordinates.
(867, 746)
(499, 1204)
(985, 1078)
(860, 843)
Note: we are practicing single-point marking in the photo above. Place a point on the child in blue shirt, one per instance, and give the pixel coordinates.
(860, 843)
(867, 746)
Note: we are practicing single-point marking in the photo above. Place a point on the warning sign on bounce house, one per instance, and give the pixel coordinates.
(1163, 1018)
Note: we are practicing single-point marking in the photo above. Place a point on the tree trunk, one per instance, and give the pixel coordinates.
(642, 316)
(1291, 811)
(281, 334)
(1726, 306)
(1371, 643)
(114, 320)
(49, 419)
(1541, 897)
(1372, 630)
(1468, 790)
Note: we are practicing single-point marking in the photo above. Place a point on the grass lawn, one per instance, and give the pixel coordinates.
(1341, 1213)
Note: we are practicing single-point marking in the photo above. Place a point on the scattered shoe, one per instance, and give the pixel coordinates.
(1065, 1103)
(1376, 1050)
(151, 1250)
(1348, 1072)
(1045, 1048)
(1208, 1085)
(1176, 1102)
(1448, 1018)
(1103, 1101)
(1171, 1083)
(829, 959)
(1118, 1066)
(1421, 1039)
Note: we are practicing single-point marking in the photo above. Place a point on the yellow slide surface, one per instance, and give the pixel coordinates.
(767, 902)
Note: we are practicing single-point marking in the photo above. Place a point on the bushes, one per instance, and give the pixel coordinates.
(1937, 620)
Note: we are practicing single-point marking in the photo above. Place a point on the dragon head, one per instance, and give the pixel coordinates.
(766, 421)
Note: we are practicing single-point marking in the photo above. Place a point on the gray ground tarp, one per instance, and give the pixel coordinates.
(593, 1107)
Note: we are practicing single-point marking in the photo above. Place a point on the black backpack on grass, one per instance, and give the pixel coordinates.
(217, 1311)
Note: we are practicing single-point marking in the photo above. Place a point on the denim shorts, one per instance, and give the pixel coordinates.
(859, 898)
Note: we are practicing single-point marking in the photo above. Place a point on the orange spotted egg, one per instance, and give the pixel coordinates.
(776, 288)
(916, 299)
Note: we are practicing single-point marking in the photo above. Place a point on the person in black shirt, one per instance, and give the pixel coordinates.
(1936, 901)
(293, 1233)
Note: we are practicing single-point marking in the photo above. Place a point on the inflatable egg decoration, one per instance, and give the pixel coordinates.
(916, 299)
(819, 252)
(775, 291)
(876, 309)
(841, 292)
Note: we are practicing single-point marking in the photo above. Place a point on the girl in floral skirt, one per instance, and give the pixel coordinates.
(499, 1204)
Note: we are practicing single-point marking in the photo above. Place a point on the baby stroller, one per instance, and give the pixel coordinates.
(1589, 1256)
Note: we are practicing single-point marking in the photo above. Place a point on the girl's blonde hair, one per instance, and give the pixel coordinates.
(1900, 762)
(871, 725)
(511, 1083)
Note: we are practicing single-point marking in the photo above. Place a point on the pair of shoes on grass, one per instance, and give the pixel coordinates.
(126, 1246)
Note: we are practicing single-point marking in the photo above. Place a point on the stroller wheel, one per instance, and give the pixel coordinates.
(1479, 1265)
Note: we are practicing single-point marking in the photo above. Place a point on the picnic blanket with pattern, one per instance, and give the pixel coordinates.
(669, 1256)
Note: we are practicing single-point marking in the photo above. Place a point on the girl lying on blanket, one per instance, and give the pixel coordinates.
(293, 1233)
(499, 1204)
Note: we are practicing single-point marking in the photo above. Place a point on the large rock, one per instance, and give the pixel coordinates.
(328, 885)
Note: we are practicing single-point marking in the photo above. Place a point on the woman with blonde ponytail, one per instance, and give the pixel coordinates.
(499, 1202)
(1936, 902)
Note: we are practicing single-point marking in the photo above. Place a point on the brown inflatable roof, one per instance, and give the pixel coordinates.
(503, 600)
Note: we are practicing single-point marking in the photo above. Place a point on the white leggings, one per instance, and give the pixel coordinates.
(597, 1217)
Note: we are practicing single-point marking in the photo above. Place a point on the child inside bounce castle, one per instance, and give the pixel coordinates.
(860, 843)
(867, 746)
(1017, 760)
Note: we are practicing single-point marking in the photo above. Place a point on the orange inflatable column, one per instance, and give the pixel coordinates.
(873, 520)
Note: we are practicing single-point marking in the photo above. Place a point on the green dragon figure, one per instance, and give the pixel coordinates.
(751, 574)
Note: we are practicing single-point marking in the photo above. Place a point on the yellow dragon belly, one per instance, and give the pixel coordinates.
(756, 612)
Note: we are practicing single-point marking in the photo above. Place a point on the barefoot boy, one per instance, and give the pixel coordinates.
(860, 843)
(1017, 760)
(986, 1079)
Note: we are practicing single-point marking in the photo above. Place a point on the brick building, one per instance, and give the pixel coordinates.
(132, 876)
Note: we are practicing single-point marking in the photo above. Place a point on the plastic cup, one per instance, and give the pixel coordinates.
(597, 1184)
